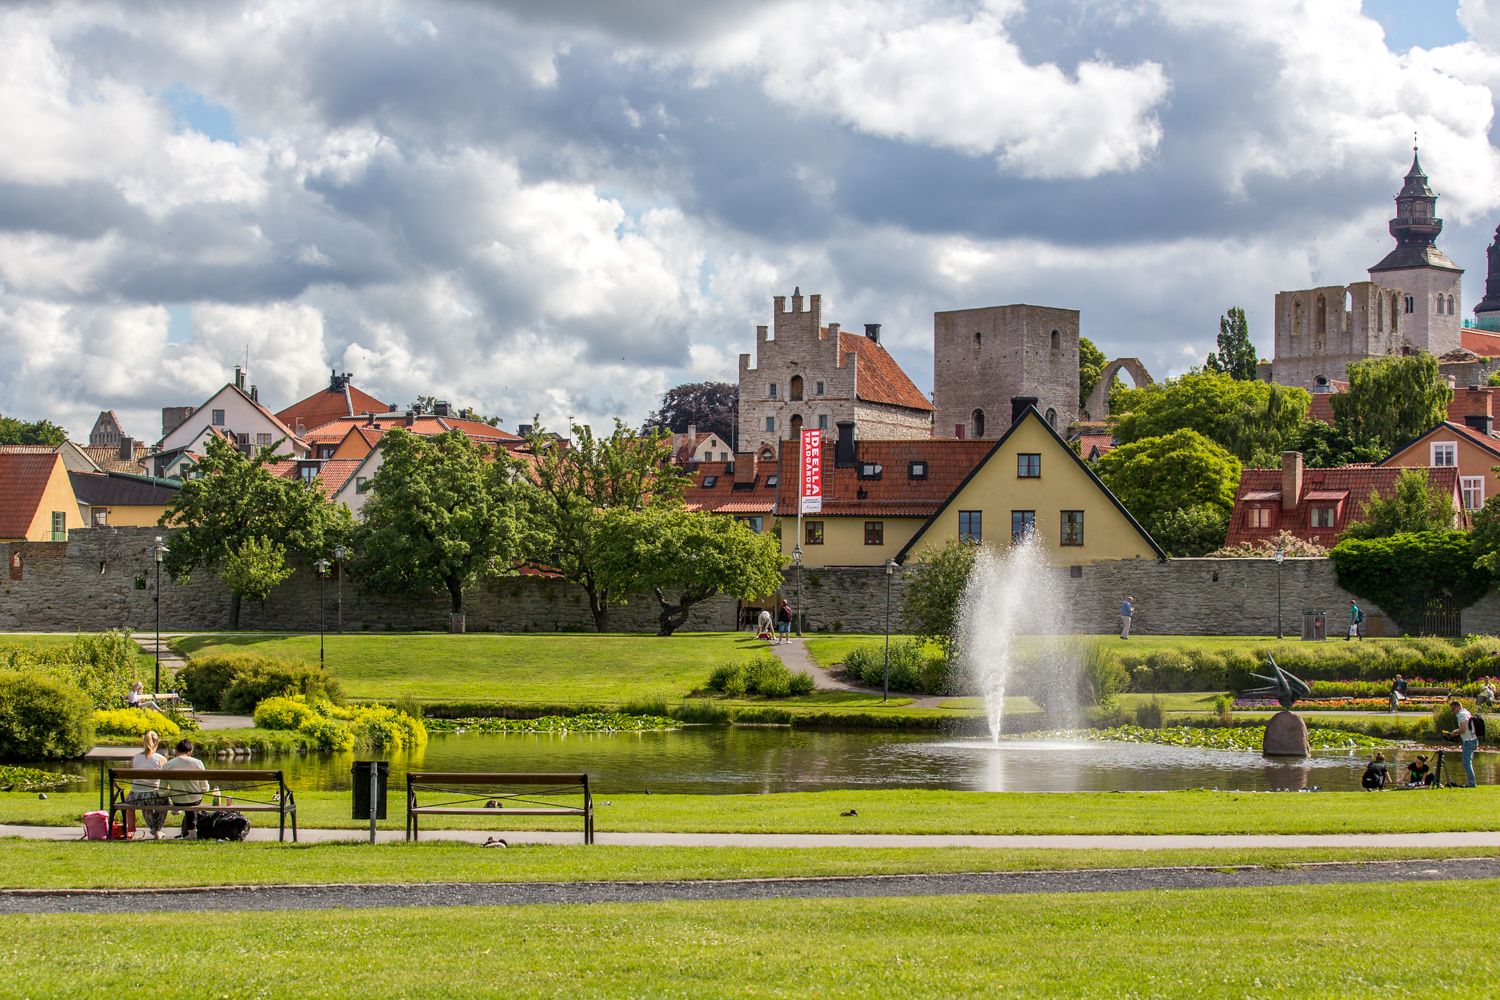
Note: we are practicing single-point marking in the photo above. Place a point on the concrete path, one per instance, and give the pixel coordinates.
(342, 896)
(213, 720)
(794, 654)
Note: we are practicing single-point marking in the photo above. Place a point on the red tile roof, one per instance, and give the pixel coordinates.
(334, 473)
(1261, 488)
(895, 493)
(23, 482)
(1482, 342)
(1322, 402)
(878, 379)
(425, 425)
(722, 497)
(324, 406)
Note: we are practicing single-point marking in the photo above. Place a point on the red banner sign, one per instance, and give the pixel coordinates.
(812, 472)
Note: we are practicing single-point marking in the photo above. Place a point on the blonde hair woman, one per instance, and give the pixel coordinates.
(147, 791)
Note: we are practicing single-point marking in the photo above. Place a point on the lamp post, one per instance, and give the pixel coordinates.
(890, 571)
(338, 557)
(158, 550)
(1280, 555)
(322, 567)
(797, 559)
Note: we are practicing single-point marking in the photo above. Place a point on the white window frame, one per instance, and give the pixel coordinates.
(1445, 449)
(1472, 485)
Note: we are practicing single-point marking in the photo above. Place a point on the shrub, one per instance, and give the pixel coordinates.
(134, 722)
(325, 734)
(102, 665)
(42, 718)
(378, 727)
(907, 666)
(267, 678)
(802, 683)
(1142, 679)
(1101, 678)
(283, 713)
(1148, 715)
(703, 710)
(766, 675)
(204, 679)
(728, 678)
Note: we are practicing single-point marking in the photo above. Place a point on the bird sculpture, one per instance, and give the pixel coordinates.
(1285, 688)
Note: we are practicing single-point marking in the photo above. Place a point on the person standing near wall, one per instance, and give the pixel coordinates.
(1356, 619)
(1127, 611)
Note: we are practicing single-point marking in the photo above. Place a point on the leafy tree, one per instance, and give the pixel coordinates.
(1245, 417)
(236, 499)
(1236, 357)
(1091, 362)
(441, 513)
(576, 481)
(252, 572)
(1181, 487)
(1415, 505)
(13, 431)
(711, 406)
(1392, 400)
(689, 555)
(1325, 447)
(934, 589)
(1405, 573)
(1485, 536)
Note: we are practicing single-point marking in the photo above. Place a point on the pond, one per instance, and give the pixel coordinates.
(730, 759)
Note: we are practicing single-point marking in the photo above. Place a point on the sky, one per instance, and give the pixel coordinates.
(566, 207)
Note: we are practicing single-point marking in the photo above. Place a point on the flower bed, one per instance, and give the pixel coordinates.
(592, 722)
(1339, 705)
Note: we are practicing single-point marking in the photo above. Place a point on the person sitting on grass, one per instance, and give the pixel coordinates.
(1376, 775)
(185, 791)
(136, 698)
(1417, 772)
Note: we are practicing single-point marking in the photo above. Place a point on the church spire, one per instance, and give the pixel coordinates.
(1416, 226)
(1487, 313)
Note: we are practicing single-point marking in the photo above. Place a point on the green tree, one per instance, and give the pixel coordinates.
(713, 407)
(1485, 536)
(1091, 362)
(1392, 400)
(1404, 574)
(236, 499)
(576, 481)
(1180, 487)
(1236, 356)
(683, 557)
(1325, 447)
(442, 512)
(1248, 418)
(934, 589)
(255, 569)
(1415, 505)
(13, 431)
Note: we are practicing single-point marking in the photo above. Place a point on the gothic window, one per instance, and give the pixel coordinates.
(1379, 313)
(1056, 341)
(1322, 318)
(1450, 305)
(1052, 418)
(977, 337)
(796, 426)
(978, 423)
(796, 388)
(1411, 304)
(1394, 300)
(1296, 317)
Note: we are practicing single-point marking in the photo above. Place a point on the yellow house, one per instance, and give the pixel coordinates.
(899, 499)
(122, 500)
(37, 503)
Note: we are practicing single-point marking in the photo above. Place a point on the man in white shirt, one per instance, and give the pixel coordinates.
(1467, 737)
(185, 791)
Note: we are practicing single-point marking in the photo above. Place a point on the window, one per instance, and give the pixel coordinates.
(1445, 453)
(797, 425)
(1022, 525)
(869, 470)
(1072, 527)
(771, 390)
(1260, 517)
(1320, 317)
(978, 338)
(971, 526)
(723, 456)
(771, 425)
(361, 484)
(1394, 299)
(817, 388)
(218, 418)
(59, 526)
(1380, 313)
(752, 521)
(822, 421)
(1322, 517)
(1450, 305)
(1052, 418)
(243, 439)
(1473, 491)
(1029, 466)
(101, 516)
(1056, 341)
(874, 532)
(708, 482)
(324, 450)
(1411, 304)
(978, 417)
(771, 482)
(916, 470)
(813, 532)
(307, 472)
(796, 388)
(265, 439)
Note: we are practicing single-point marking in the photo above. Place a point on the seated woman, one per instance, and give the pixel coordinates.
(147, 791)
(1376, 776)
(136, 698)
(1417, 772)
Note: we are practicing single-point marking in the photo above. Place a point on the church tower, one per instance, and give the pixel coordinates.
(1487, 313)
(1427, 286)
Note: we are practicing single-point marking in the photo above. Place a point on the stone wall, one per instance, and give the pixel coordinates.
(105, 578)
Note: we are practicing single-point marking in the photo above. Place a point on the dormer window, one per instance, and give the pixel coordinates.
(708, 482)
(916, 470)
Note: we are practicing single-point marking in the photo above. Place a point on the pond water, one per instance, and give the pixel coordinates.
(730, 759)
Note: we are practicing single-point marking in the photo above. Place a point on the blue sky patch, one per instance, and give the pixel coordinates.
(192, 112)
(1408, 23)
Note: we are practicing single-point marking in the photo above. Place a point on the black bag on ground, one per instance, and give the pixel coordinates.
(222, 825)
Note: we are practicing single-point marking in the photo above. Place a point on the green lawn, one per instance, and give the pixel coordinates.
(1294, 941)
(51, 864)
(922, 811)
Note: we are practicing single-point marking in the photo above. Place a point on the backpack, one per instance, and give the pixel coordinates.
(222, 825)
(1359, 616)
(1476, 722)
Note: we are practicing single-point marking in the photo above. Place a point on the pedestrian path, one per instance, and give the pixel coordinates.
(794, 654)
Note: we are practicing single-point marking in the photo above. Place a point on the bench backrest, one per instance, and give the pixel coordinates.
(186, 774)
(492, 778)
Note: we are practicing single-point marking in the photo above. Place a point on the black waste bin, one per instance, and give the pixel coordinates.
(362, 787)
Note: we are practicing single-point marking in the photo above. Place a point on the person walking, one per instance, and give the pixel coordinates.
(1356, 619)
(1127, 611)
(784, 623)
(1398, 693)
(185, 791)
(1467, 737)
(147, 791)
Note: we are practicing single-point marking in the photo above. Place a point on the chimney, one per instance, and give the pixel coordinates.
(872, 330)
(1019, 405)
(254, 394)
(843, 451)
(744, 467)
(524, 430)
(1291, 479)
(411, 418)
(1481, 422)
(239, 377)
(127, 448)
(441, 408)
(393, 408)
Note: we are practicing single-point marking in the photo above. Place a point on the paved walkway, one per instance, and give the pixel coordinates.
(325, 897)
(794, 654)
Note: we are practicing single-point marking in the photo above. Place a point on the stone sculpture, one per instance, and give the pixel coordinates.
(1286, 733)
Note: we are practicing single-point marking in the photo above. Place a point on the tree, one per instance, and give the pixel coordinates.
(1180, 487)
(575, 481)
(1414, 505)
(714, 407)
(441, 512)
(1404, 574)
(13, 431)
(235, 500)
(1392, 400)
(934, 590)
(1236, 357)
(252, 572)
(1484, 539)
(1247, 418)
(691, 554)
(1091, 362)
(1325, 447)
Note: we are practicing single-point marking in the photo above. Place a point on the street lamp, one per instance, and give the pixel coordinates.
(322, 567)
(890, 571)
(338, 557)
(1280, 555)
(158, 550)
(797, 558)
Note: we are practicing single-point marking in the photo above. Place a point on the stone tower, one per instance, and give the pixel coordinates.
(983, 357)
(1487, 313)
(1430, 284)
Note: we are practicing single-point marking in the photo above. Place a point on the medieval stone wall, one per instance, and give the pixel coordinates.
(983, 357)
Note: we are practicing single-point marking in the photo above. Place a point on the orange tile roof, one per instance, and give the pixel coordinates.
(1322, 402)
(324, 406)
(425, 425)
(1482, 342)
(878, 378)
(722, 497)
(23, 482)
(895, 493)
(1262, 487)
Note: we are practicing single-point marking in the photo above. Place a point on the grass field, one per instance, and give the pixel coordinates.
(1295, 941)
(50, 864)
(920, 811)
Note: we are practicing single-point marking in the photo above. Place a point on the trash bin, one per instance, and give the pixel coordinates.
(1314, 625)
(362, 787)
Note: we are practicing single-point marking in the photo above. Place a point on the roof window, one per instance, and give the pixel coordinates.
(708, 482)
(869, 470)
(916, 470)
(771, 481)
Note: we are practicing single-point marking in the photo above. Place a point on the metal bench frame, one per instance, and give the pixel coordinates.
(556, 783)
(285, 805)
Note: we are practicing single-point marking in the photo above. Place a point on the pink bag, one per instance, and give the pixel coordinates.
(96, 825)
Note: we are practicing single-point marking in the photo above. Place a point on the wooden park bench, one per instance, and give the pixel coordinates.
(250, 791)
(456, 794)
